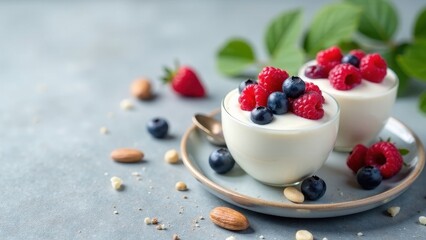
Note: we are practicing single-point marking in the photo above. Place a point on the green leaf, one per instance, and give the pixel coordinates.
(234, 57)
(333, 24)
(346, 46)
(390, 56)
(403, 151)
(413, 60)
(289, 59)
(420, 26)
(283, 31)
(422, 102)
(379, 19)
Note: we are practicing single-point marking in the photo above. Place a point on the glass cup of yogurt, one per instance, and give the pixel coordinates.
(364, 110)
(283, 152)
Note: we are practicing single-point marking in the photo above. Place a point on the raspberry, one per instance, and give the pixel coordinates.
(313, 87)
(309, 106)
(373, 68)
(344, 77)
(386, 157)
(272, 79)
(357, 53)
(329, 58)
(356, 158)
(252, 96)
(315, 72)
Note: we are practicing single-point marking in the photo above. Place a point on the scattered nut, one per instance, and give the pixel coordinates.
(147, 221)
(393, 211)
(161, 227)
(141, 89)
(154, 221)
(230, 238)
(229, 218)
(360, 234)
(181, 186)
(115, 212)
(422, 220)
(126, 104)
(175, 237)
(127, 155)
(171, 156)
(294, 195)
(304, 235)
(116, 183)
(104, 130)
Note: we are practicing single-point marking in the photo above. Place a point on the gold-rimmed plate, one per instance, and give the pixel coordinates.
(343, 196)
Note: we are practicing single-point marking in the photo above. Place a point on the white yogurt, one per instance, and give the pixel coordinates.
(365, 108)
(284, 151)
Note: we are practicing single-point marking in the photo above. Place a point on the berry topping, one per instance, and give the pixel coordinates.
(356, 158)
(158, 127)
(272, 78)
(261, 115)
(244, 84)
(309, 106)
(253, 95)
(369, 177)
(386, 157)
(344, 77)
(329, 58)
(278, 103)
(293, 87)
(221, 160)
(313, 188)
(373, 68)
(351, 59)
(313, 87)
(316, 72)
(357, 53)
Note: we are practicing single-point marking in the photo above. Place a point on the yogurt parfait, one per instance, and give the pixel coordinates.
(279, 129)
(364, 88)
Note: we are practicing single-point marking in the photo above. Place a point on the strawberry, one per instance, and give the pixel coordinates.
(185, 82)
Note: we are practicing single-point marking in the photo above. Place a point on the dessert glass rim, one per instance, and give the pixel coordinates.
(259, 127)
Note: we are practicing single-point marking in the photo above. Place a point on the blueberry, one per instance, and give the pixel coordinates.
(221, 160)
(369, 177)
(261, 115)
(293, 87)
(278, 102)
(351, 59)
(245, 83)
(158, 127)
(313, 188)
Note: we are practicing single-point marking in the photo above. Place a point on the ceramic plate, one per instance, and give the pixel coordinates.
(343, 195)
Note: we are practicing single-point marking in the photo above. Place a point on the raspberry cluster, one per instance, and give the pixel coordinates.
(276, 93)
(347, 71)
(382, 156)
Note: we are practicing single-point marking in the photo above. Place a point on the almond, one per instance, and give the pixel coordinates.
(127, 155)
(228, 218)
(141, 89)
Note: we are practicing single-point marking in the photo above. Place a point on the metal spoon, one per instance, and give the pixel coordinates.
(210, 127)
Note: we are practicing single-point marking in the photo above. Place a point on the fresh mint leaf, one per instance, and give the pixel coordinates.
(379, 19)
(283, 31)
(403, 151)
(422, 102)
(413, 60)
(235, 56)
(420, 26)
(289, 59)
(390, 56)
(332, 24)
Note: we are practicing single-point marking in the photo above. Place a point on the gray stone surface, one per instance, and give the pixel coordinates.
(66, 65)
